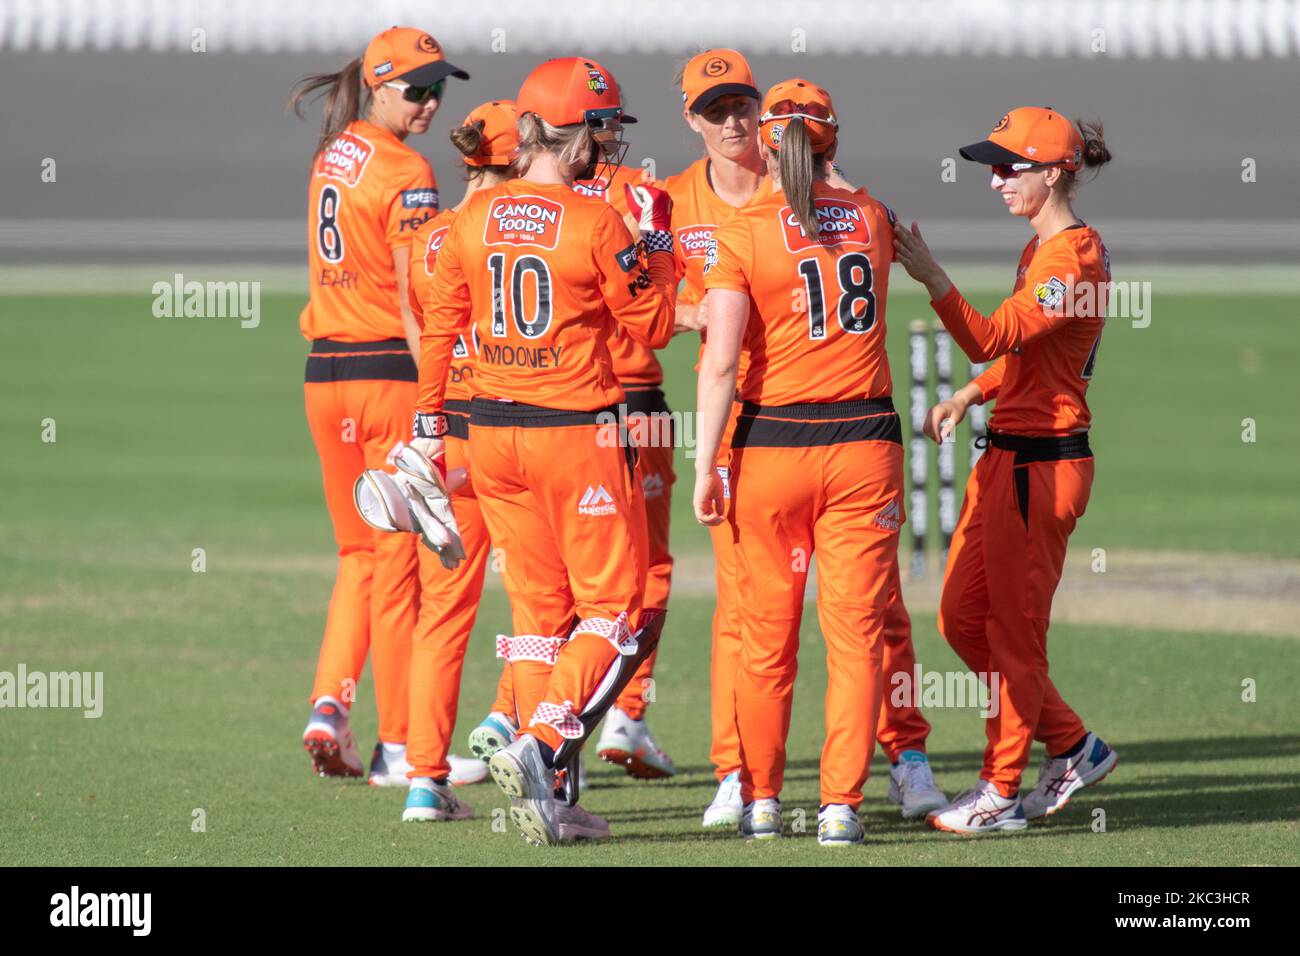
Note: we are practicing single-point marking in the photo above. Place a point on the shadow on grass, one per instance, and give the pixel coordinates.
(1139, 794)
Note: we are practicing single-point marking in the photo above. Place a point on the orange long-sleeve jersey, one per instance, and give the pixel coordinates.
(1048, 330)
(634, 362)
(542, 274)
(816, 328)
(369, 193)
(424, 257)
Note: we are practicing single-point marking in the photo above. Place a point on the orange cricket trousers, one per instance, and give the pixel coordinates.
(1022, 501)
(822, 479)
(901, 727)
(360, 397)
(565, 514)
(724, 662)
(448, 605)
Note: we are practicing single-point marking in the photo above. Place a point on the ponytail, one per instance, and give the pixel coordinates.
(1095, 154)
(797, 163)
(343, 99)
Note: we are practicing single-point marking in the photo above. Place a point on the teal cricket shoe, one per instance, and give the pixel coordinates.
(429, 801)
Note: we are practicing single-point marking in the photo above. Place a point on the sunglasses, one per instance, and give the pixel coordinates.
(789, 109)
(419, 94)
(1012, 170)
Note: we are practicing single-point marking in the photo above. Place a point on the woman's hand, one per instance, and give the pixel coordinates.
(942, 419)
(710, 508)
(690, 318)
(912, 252)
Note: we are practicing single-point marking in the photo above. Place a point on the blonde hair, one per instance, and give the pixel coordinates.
(572, 145)
(799, 165)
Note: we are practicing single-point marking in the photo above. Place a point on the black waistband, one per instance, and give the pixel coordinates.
(815, 411)
(644, 400)
(388, 360)
(457, 410)
(383, 345)
(489, 413)
(1029, 449)
(812, 424)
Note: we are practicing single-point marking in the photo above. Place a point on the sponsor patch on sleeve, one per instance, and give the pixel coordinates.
(1050, 294)
(627, 258)
(419, 199)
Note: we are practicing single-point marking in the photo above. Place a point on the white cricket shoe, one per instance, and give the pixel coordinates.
(466, 770)
(981, 810)
(911, 784)
(575, 823)
(838, 825)
(727, 806)
(388, 766)
(428, 800)
(524, 777)
(1061, 777)
(495, 732)
(761, 820)
(628, 743)
(328, 738)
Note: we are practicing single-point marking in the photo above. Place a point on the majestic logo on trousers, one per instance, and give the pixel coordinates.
(890, 516)
(597, 501)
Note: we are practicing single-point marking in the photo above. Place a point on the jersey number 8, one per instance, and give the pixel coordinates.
(328, 237)
(853, 270)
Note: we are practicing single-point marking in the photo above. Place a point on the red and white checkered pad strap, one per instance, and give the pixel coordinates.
(561, 717)
(529, 647)
(616, 632)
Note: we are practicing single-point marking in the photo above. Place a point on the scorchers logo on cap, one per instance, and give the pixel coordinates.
(693, 241)
(523, 221)
(838, 222)
(431, 250)
(345, 159)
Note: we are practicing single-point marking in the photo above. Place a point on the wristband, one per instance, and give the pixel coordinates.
(429, 425)
(658, 240)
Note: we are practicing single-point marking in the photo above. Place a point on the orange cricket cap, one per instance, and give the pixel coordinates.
(799, 99)
(570, 90)
(500, 134)
(715, 73)
(1030, 136)
(408, 54)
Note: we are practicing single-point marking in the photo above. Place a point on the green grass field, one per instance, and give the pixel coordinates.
(176, 434)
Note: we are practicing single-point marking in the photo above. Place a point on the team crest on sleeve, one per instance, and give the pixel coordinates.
(345, 159)
(432, 248)
(710, 254)
(1050, 294)
(532, 221)
(838, 223)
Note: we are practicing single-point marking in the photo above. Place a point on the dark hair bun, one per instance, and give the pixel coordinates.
(468, 139)
(1095, 152)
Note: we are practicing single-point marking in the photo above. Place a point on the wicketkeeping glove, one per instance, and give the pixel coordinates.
(652, 207)
(416, 498)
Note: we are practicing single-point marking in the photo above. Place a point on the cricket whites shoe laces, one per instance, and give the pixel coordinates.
(328, 739)
(429, 801)
(628, 743)
(523, 776)
(911, 785)
(1062, 777)
(981, 810)
(838, 825)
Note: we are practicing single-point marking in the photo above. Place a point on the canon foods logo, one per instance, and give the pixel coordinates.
(524, 221)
